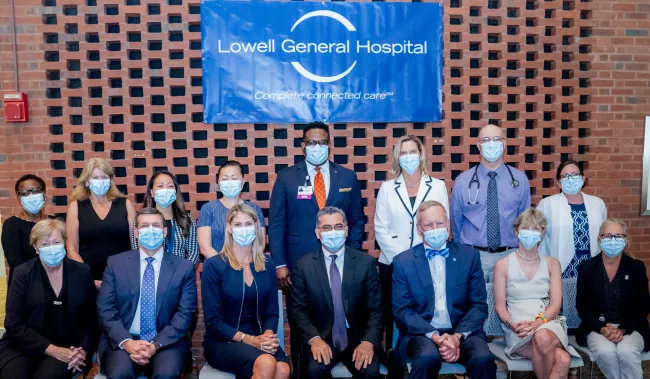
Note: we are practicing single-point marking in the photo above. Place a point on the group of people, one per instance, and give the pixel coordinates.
(123, 283)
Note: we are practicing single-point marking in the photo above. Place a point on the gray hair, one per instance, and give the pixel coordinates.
(330, 211)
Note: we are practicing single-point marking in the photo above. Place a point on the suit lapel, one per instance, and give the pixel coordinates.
(321, 272)
(36, 292)
(402, 194)
(424, 274)
(303, 177)
(133, 275)
(166, 273)
(423, 191)
(451, 270)
(334, 184)
(349, 267)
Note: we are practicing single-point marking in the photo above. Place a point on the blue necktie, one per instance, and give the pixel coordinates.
(492, 217)
(339, 331)
(148, 303)
(430, 253)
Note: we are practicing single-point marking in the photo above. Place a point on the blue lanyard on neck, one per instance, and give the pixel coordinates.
(170, 238)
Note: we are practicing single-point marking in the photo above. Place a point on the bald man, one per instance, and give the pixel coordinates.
(487, 199)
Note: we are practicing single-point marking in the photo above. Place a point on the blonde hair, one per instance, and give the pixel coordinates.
(429, 204)
(45, 228)
(82, 192)
(617, 221)
(531, 217)
(228, 252)
(396, 169)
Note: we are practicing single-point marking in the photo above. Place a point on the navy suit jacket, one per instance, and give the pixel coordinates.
(120, 291)
(292, 221)
(223, 296)
(414, 300)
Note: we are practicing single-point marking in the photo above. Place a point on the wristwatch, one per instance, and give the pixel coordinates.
(157, 345)
(461, 338)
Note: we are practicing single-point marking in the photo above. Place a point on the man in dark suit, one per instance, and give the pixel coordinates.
(145, 306)
(337, 303)
(439, 302)
(299, 192)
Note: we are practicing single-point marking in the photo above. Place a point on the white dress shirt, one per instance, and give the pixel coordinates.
(339, 264)
(325, 170)
(438, 269)
(157, 260)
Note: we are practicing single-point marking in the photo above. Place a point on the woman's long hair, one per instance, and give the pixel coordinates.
(82, 192)
(178, 206)
(396, 169)
(228, 252)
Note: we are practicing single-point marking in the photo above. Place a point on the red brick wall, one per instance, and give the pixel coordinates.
(106, 78)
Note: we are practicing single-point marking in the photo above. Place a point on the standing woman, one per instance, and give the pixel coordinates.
(212, 219)
(164, 193)
(99, 219)
(573, 218)
(15, 231)
(397, 202)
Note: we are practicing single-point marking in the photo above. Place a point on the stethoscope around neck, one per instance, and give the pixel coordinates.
(514, 184)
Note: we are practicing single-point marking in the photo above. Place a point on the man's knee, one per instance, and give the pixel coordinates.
(482, 360)
(119, 373)
(370, 372)
(316, 370)
(427, 361)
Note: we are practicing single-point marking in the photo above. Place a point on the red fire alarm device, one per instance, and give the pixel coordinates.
(16, 107)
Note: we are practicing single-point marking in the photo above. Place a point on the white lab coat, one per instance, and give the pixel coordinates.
(558, 242)
(395, 223)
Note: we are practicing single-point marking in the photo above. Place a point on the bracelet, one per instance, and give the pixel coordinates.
(243, 335)
(252, 344)
(543, 317)
(508, 324)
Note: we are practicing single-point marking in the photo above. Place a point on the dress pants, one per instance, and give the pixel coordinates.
(474, 355)
(295, 340)
(167, 363)
(29, 368)
(386, 281)
(317, 370)
(618, 361)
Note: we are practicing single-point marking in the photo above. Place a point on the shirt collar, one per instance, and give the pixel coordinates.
(426, 246)
(324, 168)
(483, 171)
(339, 253)
(156, 257)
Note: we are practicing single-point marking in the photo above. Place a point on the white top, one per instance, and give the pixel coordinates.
(395, 223)
(438, 269)
(558, 241)
(325, 170)
(157, 260)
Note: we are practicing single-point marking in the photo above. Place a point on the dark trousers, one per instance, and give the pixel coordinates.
(29, 368)
(167, 363)
(295, 340)
(474, 355)
(386, 279)
(317, 370)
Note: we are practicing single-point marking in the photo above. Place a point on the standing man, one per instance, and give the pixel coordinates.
(337, 303)
(486, 201)
(440, 302)
(299, 192)
(145, 306)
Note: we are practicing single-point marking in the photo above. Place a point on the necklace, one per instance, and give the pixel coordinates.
(527, 259)
(99, 205)
(414, 184)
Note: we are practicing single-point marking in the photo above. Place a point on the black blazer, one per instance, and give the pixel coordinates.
(26, 304)
(635, 302)
(312, 308)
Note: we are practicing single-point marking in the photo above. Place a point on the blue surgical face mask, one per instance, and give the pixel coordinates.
(529, 238)
(317, 155)
(230, 188)
(150, 238)
(99, 186)
(52, 256)
(165, 197)
(243, 236)
(492, 150)
(436, 238)
(333, 240)
(572, 186)
(409, 163)
(612, 248)
(33, 203)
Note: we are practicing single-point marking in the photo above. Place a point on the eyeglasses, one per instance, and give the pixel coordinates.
(27, 192)
(615, 237)
(317, 143)
(488, 139)
(573, 175)
(329, 228)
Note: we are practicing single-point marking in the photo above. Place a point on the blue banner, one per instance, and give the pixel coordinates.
(297, 62)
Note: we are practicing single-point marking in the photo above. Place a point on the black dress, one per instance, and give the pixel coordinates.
(99, 239)
(15, 242)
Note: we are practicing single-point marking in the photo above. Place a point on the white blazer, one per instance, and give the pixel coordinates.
(558, 242)
(395, 224)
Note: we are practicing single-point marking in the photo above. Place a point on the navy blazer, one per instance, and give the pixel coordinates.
(120, 291)
(292, 221)
(414, 300)
(222, 291)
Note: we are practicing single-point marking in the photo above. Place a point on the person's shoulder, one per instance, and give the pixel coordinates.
(462, 249)
(587, 264)
(26, 267)
(12, 221)
(289, 170)
(340, 170)
(518, 174)
(387, 184)
(210, 205)
(406, 256)
(253, 205)
(122, 257)
(633, 262)
(465, 175)
(364, 258)
(552, 262)
(549, 200)
(303, 261)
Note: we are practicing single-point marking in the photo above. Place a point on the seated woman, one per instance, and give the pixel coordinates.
(242, 339)
(613, 303)
(51, 322)
(528, 298)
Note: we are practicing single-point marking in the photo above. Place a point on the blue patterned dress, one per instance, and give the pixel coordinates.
(580, 240)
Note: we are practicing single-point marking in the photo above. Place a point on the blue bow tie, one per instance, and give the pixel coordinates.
(430, 253)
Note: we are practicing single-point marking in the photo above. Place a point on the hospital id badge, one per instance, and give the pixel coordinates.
(305, 192)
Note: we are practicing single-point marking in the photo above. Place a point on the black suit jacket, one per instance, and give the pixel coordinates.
(26, 311)
(312, 308)
(635, 302)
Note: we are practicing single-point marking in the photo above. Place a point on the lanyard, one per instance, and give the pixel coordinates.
(170, 238)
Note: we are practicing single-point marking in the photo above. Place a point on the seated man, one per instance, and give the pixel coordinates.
(145, 306)
(337, 303)
(439, 302)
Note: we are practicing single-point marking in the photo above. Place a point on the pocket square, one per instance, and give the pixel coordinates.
(345, 189)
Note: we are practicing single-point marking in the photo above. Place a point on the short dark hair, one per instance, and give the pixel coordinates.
(23, 178)
(148, 211)
(566, 163)
(315, 125)
(230, 164)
